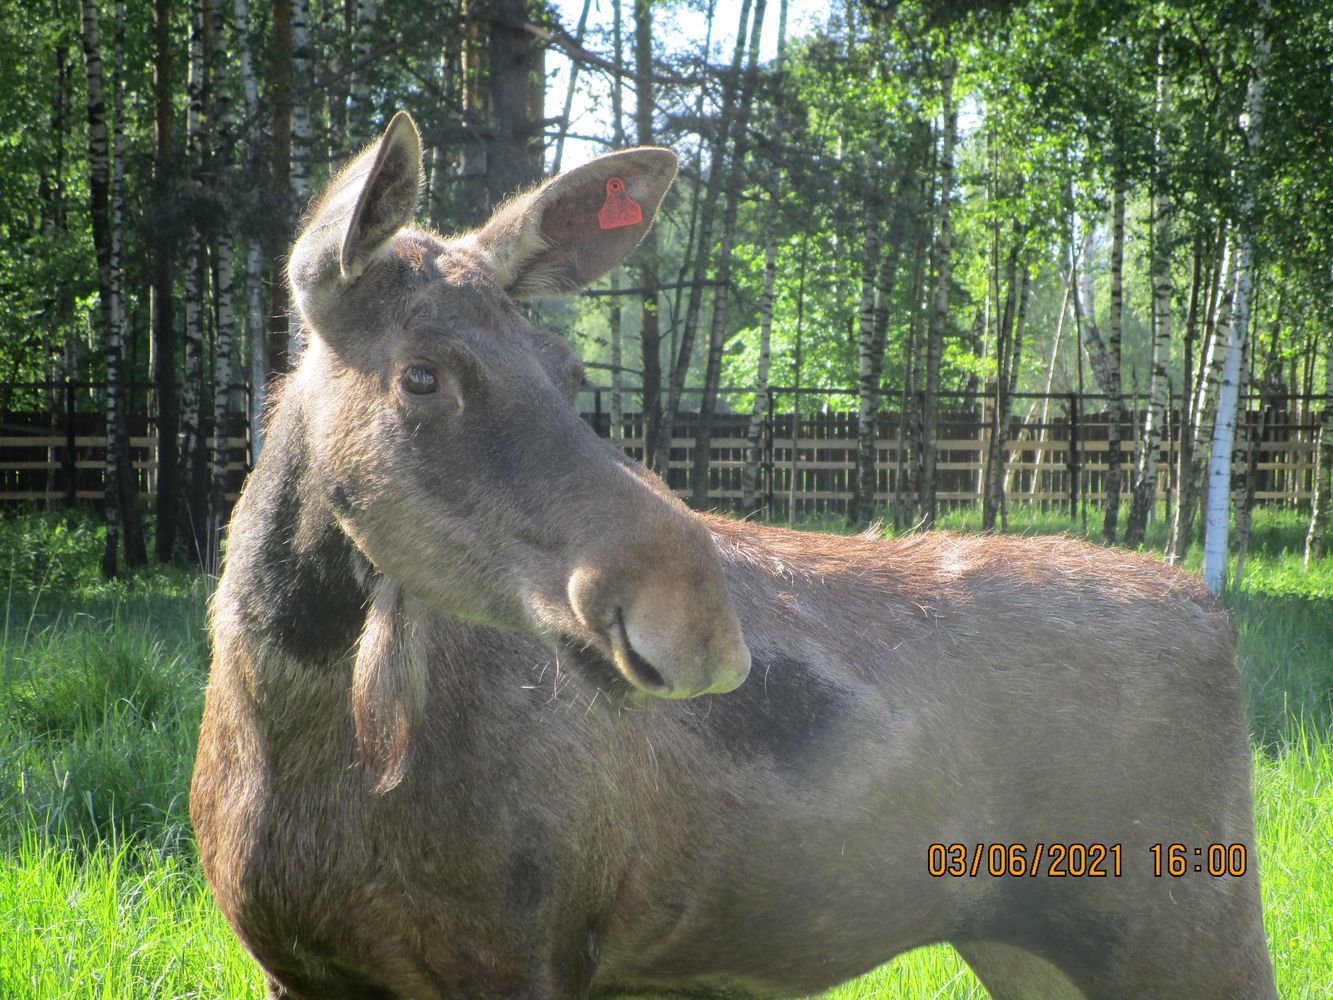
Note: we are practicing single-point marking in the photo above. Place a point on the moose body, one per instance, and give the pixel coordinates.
(475, 767)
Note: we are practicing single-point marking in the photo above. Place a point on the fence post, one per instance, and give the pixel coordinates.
(70, 469)
(1073, 454)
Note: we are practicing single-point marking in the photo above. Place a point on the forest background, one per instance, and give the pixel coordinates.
(892, 206)
(894, 202)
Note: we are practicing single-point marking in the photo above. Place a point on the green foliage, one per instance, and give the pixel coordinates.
(100, 695)
(118, 921)
(102, 688)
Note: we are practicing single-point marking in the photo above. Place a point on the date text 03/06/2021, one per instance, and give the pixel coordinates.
(1078, 860)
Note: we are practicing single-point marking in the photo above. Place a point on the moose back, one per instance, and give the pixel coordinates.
(491, 714)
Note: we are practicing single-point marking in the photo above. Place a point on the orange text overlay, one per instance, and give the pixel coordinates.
(1053, 860)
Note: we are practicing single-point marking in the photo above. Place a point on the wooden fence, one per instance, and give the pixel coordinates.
(60, 456)
(1061, 461)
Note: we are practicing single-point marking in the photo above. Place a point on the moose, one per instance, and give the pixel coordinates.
(492, 714)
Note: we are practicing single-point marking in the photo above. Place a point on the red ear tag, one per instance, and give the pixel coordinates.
(620, 209)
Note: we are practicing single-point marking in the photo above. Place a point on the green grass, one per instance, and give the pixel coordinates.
(114, 921)
(100, 692)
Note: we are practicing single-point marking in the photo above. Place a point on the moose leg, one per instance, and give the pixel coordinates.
(326, 990)
(1012, 973)
(1227, 966)
(1157, 966)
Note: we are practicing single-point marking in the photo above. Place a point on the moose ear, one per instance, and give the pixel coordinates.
(362, 208)
(388, 198)
(577, 226)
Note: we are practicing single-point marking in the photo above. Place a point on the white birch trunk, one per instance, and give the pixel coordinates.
(1114, 478)
(1145, 488)
(256, 334)
(935, 347)
(193, 479)
(1316, 539)
(359, 116)
(299, 177)
(1216, 518)
(1205, 411)
(224, 288)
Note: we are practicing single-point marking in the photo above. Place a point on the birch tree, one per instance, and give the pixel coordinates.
(360, 113)
(702, 245)
(1316, 538)
(166, 395)
(874, 328)
(225, 323)
(646, 257)
(298, 176)
(930, 409)
(1203, 409)
(192, 512)
(1216, 517)
(110, 314)
(256, 332)
(1145, 487)
(735, 172)
(1115, 324)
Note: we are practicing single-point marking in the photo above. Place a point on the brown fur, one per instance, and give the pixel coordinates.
(423, 771)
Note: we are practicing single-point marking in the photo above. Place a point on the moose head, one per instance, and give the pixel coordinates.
(442, 425)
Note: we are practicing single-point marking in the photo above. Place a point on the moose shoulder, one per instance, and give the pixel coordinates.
(452, 746)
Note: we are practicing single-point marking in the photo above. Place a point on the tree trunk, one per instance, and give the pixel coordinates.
(1145, 487)
(255, 330)
(1185, 428)
(99, 184)
(1206, 397)
(1271, 379)
(905, 490)
(870, 365)
(280, 165)
(513, 157)
(930, 410)
(192, 515)
(1224, 431)
(165, 394)
(735, 172)
(703, 244)
(1202, 389)
(617, 140)
(650, 337)
(1115, 323)
(759, 411)
(223, 287)
(993, 489)
(360, 112)
(298, 177)
(1316, 539)
(441, 156)
(574, 66)
(136, 551)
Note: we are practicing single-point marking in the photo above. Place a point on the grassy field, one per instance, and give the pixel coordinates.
(100, 693)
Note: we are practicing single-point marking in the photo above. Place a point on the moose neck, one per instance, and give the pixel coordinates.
(296, 580)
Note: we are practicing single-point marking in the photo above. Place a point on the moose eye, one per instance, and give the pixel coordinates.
(419, 381)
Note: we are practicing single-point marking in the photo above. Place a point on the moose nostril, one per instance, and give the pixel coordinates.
(641, 672)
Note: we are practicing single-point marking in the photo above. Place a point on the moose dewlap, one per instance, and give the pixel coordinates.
(452, 745)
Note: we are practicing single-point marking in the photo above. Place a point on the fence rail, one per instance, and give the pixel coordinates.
(810, 462)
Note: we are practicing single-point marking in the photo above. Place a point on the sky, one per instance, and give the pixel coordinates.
(679, 26)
